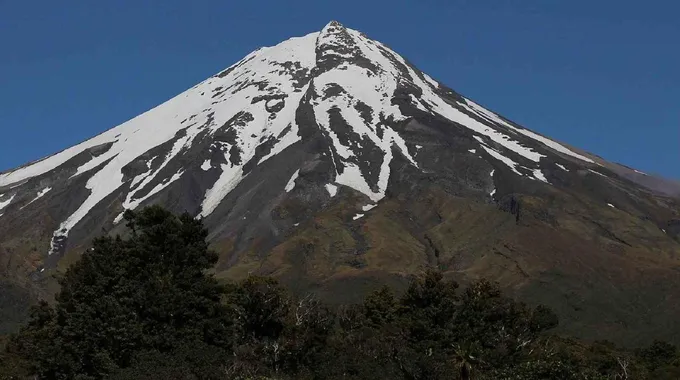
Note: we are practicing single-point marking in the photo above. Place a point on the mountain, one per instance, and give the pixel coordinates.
(333, 164)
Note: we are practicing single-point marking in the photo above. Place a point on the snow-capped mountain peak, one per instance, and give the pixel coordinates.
(355, 92)
(332, 163)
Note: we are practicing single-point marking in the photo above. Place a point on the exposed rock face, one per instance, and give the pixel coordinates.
(332, 163)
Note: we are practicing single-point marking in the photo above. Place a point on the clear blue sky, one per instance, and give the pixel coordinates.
(601, 75)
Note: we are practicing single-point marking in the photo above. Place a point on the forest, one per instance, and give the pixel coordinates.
(145, 306)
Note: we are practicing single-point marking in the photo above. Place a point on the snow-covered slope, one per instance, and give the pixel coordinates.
(248, 114)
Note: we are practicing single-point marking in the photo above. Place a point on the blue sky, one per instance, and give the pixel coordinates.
(600, 75)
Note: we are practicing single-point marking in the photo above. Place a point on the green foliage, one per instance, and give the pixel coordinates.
(126, 296)
(434, 330)
(143, 307)
(661, 360)
(197, 361)
(12, 365)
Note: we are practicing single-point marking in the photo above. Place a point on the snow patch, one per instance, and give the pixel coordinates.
(481, 111)
(119, 218)
(332, 189)
(561, 167)
(610, 205)
(44, 191)
(271, 103)
(598, 173)
(231, 176)
(510, 163)
(553, 145)
(473, 151)
(431, 81)
(132, 203)
(137, 180)
(291, 182)
(6, 203)
(538, 174)
(292, 136)
(357, 216)
(367, 207)
(206, 165)
(40, 194)
(504, 140)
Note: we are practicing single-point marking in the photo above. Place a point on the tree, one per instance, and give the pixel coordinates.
(196, 361)
(12, 365)
(276, 332)
(146, 292)
(661, 359)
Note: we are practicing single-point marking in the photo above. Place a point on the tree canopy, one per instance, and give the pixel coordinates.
(143, 306)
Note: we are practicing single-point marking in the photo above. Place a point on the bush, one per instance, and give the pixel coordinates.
(124, 297)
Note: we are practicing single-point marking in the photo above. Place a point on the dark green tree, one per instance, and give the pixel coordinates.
(275, 332)
(194, 361)
(661, 359)
(146, 292)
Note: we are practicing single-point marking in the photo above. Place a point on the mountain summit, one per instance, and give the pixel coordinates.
(333, 163)
(347, 86)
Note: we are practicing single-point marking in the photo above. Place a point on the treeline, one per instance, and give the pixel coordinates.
(143, 307)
